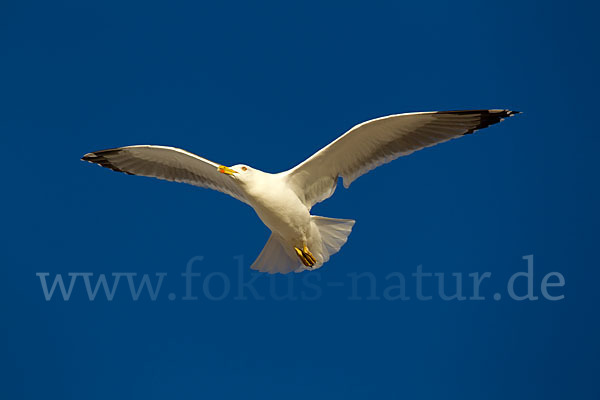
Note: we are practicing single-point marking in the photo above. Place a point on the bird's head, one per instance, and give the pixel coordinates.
(240, 172)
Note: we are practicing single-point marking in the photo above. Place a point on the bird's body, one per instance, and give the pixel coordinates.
(283, 212)
(279, 207)
(283, 201)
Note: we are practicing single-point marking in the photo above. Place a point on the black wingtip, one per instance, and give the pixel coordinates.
(88, 157)
(486, 117)
(499, 113)
(99, 157)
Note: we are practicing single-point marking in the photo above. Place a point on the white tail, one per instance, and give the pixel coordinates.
(274, 258)
(328, 237)
(334, 234)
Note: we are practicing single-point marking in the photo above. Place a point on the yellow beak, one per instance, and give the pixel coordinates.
(226, 170)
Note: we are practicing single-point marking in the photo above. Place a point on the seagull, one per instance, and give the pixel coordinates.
(300, 241)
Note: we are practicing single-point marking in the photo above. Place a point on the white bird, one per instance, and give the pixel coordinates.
(299, 240)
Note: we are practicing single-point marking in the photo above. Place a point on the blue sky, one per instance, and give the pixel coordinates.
(267, 85)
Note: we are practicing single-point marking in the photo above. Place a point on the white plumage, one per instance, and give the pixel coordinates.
(283, 201)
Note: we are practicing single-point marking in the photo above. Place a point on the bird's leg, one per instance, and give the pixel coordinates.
(309, 256)
(302, 257)
(305, 256)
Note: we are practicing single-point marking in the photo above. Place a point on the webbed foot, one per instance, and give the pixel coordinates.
(305, 256)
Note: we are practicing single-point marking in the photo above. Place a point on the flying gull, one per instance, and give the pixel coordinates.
(300, 241)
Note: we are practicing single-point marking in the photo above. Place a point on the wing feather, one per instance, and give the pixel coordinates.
(379, 141)
(167, 163)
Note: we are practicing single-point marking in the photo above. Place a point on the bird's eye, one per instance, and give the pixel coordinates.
(244, 168)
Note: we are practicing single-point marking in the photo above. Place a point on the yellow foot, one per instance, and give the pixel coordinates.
(309, 256)
(306, 256)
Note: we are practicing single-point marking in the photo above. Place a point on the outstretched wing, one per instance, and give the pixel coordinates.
(379, 141)
(168, 163)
